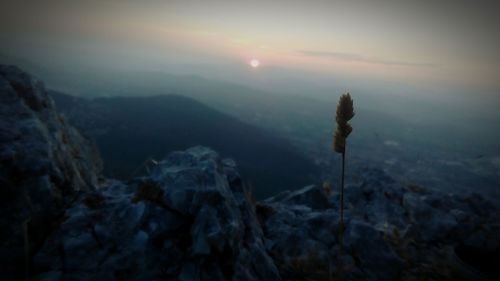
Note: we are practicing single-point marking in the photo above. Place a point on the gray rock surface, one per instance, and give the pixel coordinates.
(392, 232)
(187, 221)
(44, 164)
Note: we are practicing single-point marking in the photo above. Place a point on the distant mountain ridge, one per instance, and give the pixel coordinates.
(129, 130)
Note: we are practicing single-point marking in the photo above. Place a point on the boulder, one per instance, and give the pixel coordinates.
(189, 220)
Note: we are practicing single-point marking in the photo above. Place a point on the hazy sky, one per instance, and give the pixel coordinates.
(437, 42)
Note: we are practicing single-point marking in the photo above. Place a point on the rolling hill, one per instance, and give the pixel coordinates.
(130, 130)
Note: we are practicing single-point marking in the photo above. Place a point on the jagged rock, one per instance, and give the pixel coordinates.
(44, 164)
(194, 224)
(298, 237)
(368, 247)
(391, 232)
(377, 202)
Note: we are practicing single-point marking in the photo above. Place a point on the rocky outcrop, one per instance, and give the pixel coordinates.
(190, 220)
(393, 232)
(44, 164)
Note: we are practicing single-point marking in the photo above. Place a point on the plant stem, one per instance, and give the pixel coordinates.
(342, 192)
(341, 226)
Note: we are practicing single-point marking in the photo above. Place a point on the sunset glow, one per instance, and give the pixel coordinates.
(254, 63)
(399, 42)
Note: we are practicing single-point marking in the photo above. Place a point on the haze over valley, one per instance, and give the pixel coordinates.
(419, 138)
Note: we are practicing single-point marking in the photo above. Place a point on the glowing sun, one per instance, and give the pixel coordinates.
(254, 63)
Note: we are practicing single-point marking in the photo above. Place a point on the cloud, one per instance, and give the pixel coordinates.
(360, 58)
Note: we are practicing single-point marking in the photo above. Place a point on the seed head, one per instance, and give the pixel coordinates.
(345, 112)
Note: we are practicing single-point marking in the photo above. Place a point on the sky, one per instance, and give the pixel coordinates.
(452, 44)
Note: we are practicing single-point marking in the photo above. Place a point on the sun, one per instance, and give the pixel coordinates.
(254, 63)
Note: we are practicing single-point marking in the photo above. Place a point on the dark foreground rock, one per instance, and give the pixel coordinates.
(392, 232)
(192, 219)
(44, 164)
